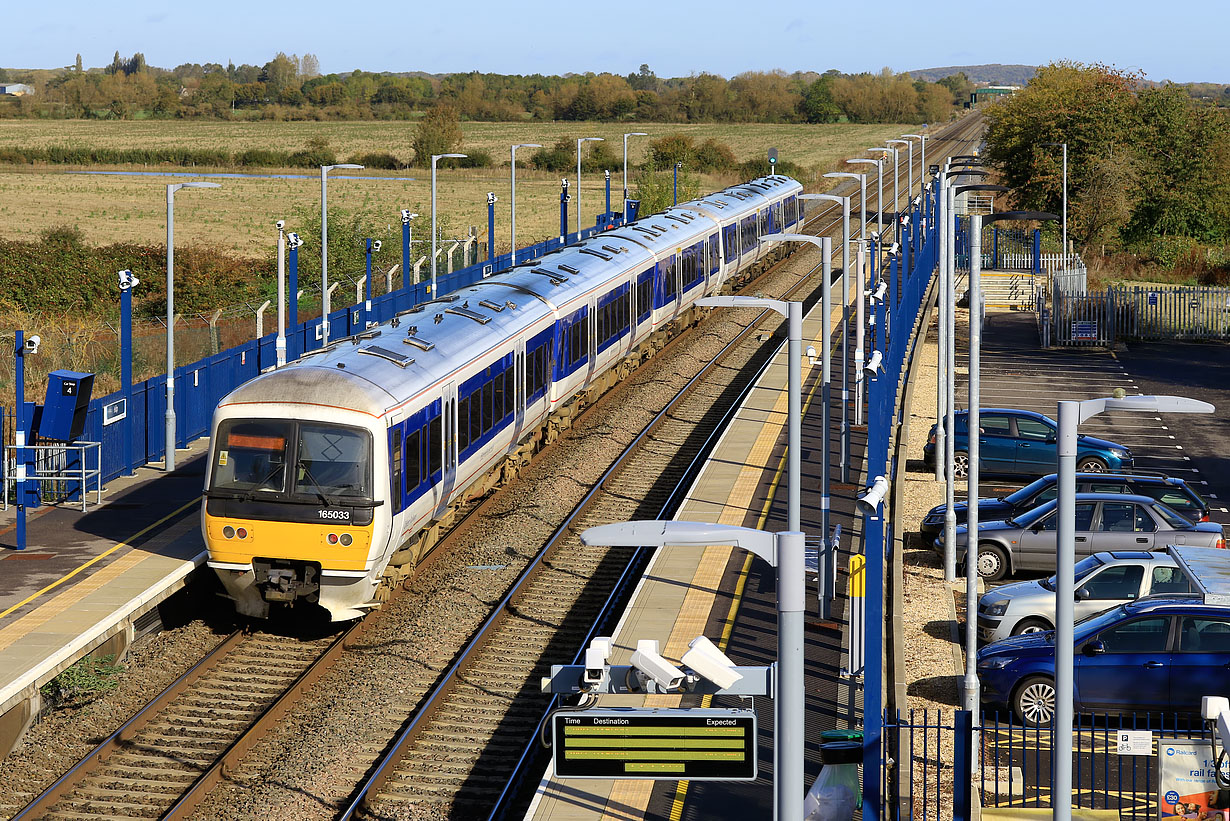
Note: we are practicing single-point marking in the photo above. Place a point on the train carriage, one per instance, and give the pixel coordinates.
(329, 473)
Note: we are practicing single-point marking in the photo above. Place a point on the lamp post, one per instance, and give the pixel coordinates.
(279, 346)
(406, 218)
(434, 159)
(1071, 414)
(324, 246)
(922, 161)
(513, 173)
(170, 390)
(897, 179)
(579, 141)
(1065, 201)
(969, 687)
(843, 459)
(626, 136)
(784, 551)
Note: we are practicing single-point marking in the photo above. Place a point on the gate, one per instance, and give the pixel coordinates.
(1166, 312)
(1083, 319)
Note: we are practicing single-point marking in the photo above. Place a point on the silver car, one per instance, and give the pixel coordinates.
(1104, 521)
(1103, 581)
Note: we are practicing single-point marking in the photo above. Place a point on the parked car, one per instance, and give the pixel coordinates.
(1104, 521)
(1022, 443)
(1175, 493)
(1103, 580)
(1161, 653)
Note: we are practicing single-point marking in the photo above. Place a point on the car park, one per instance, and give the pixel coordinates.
(1023, 443)
(1104, 521)
(1103, 581)
(1175, 493)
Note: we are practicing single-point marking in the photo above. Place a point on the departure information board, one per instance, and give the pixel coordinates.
(710, 744)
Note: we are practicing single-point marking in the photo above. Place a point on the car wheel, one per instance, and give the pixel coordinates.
(1031, 625)
(1034, 701)
(1090, 464)
(960, 464)
(992, 563)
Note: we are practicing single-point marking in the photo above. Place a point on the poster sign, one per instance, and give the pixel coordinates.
(1134, 742)
(1153, 297)
(1085, 330)
(1185, 783)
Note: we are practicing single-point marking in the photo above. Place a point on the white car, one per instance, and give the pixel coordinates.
(1103, 580)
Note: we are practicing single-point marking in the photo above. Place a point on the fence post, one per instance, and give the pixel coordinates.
(963, 766)
(260, 320)
(215, 344)
(418, 265)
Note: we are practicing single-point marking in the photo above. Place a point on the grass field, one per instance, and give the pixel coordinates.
(240, 215)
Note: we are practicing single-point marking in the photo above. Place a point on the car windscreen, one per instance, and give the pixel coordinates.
(1028, 518)
(1026, 493)
(1079, 571)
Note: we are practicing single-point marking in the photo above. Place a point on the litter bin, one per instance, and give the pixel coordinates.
(837, 792)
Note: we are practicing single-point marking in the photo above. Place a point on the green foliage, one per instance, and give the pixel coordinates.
(476, 158)
(82, 683)
(380, 160)
(655, 188)
(316, 153)
(437, 133)
(558, 158)
(1143, 162)
(817, 105)
(708, 157)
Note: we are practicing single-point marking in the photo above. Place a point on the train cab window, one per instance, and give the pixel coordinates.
(398, 490)
(250, 456)
(413, 459)
(333, 461)
(435, 445)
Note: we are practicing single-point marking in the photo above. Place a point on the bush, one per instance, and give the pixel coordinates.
(560, 157)
(316, 154)
(666, 151)
(759, 167)
(713, 156)
(438, 133)
(378, 159)
(476, 158)
(263, 158)
(601, 157)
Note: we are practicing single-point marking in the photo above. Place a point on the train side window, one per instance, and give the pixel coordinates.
(510, 390)
(414, 467)
(501, 404)
(435, 445)
(398, 491)
(463, 424)
(488, 405)
(476, 415)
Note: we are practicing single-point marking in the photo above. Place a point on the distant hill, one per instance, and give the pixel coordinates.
(993, 74)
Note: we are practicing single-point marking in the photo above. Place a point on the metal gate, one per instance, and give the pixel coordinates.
(1174, 312)
(1083, 319)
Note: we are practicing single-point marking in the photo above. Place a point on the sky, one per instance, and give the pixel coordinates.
(1183, 41)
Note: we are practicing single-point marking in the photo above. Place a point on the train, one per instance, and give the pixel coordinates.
(330, 477)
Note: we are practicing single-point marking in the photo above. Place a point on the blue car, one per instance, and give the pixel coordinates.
(1159, 654)
(1022, 443)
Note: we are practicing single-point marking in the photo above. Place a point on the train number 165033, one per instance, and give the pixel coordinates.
(343, 515)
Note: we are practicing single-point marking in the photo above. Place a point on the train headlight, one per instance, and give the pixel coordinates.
(346, 540)
(241, 532)
(228, 532)
(331, 538)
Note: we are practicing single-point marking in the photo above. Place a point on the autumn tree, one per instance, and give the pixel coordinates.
(437, 133)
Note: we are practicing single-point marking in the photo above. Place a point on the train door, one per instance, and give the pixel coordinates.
(449, 447)
(519, 395)
(591, 339)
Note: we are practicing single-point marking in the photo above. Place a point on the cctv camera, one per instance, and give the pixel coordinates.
(596, 654)
(705, 658)
(564, 182)
(376, 245)
(874, 364)
(894, 250)
(294, 240)
(871, 322)
(811, 355)
(280, 224)
(491, 198)
(405, 215)
(32, 343)
(651, 665)
(870, 501)
(1213, 706)
(875, 235)
(127, 280)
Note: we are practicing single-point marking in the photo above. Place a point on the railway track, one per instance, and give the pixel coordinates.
(195, 736)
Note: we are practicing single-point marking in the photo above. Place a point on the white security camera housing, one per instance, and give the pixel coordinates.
(878, 294)
(596, 654)
(875, 364)
(492, 199)
(376, 245)
(1213, 706)
(127, 280)
(705, 658)
(811, 354)
(280, 224)
(649, 663)
(870, 501)
(294, 240)
(894, 250)
(32, 343)
(405, 215)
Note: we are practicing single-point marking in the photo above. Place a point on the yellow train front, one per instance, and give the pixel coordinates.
(292, 508)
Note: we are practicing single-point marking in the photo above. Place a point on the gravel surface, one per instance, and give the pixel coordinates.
(65, 736)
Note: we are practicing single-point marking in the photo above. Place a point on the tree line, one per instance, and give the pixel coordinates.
(291, 87)
(1148, 167)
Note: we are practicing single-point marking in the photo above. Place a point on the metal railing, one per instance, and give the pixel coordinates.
(62, 472)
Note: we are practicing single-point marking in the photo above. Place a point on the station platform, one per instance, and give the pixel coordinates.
(726, 595)
(90, 582)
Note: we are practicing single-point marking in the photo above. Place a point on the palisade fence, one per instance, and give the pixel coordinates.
(1147, 313)
(201, 384)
